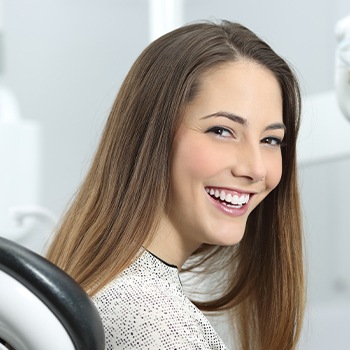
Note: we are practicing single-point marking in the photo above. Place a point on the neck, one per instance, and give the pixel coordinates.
(169, 245)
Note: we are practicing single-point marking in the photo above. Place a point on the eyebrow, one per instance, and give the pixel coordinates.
(244, 122)
(231, 116)
(276, 126)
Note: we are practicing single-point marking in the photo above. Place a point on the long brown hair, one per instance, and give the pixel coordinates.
(118, 206)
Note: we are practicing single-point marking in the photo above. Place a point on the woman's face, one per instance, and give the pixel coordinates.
(226, 156)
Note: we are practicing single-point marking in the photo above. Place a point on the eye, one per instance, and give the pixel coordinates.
(221, 131)
(272, 141)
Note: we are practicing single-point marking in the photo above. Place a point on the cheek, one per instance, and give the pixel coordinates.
(194, 159)
(274, 172)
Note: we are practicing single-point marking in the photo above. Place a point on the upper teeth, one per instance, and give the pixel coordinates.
(235, 199)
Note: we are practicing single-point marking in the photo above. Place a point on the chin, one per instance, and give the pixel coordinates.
(228, 238)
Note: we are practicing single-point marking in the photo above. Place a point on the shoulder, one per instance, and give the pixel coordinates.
(139, 299)
(136, 294)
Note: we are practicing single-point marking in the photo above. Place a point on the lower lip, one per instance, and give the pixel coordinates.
(229, 210)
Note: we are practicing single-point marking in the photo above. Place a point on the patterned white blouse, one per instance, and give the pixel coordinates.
(145, 308)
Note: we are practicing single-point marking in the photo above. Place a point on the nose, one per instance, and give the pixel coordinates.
(250, 163)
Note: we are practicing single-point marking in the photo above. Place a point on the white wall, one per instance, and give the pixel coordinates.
(325, 194)
(64, 61)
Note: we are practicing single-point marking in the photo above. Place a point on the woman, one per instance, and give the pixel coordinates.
(197, 163)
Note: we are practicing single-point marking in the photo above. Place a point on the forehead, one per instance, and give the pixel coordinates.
(242, 87)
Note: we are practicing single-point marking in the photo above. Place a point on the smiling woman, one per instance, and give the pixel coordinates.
(196, 164)
(234, 156)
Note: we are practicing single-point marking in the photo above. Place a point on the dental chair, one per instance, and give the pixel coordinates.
(41, 307)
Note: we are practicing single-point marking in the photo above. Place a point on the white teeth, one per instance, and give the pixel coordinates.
(235, 199)
(240, 200)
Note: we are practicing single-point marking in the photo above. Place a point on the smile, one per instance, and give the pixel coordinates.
(230, 199)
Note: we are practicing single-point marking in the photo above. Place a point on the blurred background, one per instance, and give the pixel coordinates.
(61, 64)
